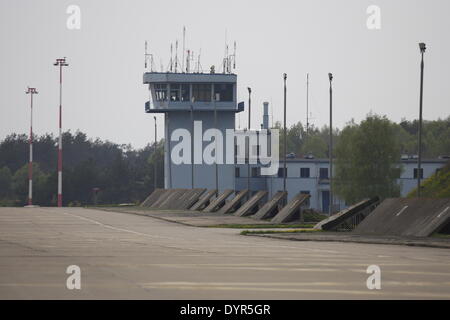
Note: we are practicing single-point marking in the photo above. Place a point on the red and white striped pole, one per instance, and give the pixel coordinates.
(61, 63)
(31, 91)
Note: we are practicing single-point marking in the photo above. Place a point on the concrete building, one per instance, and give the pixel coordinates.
(311, 176)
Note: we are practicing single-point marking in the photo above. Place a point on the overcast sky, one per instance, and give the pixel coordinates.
(374, 70)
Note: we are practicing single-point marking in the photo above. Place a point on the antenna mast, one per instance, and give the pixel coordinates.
(199, 65)
(187, 61)
(176, 55)
(148, 56)
(307, 103)
(171, 57)
(184, 39)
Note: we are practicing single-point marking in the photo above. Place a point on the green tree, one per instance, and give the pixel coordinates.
(20, 185)
(367, 160)
(5, 182)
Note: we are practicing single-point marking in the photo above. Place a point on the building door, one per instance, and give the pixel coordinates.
(325, 201)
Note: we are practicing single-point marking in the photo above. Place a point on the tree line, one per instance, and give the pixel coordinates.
(366, 158)
(121, 173)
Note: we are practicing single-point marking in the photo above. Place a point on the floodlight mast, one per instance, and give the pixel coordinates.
(31, 92)
(330, 151)
(60, 63)
(422, 48)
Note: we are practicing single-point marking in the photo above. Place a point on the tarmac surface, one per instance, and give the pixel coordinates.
(129, 256)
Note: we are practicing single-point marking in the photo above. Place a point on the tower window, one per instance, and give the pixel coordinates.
(201, 92)
(224, 90)
(174, 92)
(161, 92)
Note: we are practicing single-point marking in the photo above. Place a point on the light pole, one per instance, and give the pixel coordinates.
(215, 141)
(285, 136)
(155, 157)
(330, 151)
(422, 47)
(60, 63)
(31, 92)
(248, 140)
(192, 142)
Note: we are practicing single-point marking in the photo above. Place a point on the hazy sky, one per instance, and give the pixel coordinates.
(374, 70)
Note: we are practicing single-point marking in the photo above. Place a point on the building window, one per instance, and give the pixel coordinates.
(179, 92)
(255, 172)
(185, 92)
(201, 92)
(237, 172)
(415, 173)
(161, 92)
(323, 173)
(304, 172)
(174, 92)
(280, 172)
(223, 91)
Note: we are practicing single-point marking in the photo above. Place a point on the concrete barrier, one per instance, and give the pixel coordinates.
(350, 217)
(172, 200)
(288, 212)
(233, 203)
(419, 217)
(247, 208)
(191, 198)
(219, 201)
(161, 198)
(203, 201)
(268, 210)
(154, 196)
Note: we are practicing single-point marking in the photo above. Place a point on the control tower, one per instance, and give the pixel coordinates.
(184, 97)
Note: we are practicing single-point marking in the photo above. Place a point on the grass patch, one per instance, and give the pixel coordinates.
(247, 232)
(441, 235)
(261, 226)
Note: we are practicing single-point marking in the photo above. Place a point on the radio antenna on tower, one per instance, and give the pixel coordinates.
(307, 103)
(187, 61)
(199, 65)
(176, 55)
(184, 40)
(147, 57)
(171, 57)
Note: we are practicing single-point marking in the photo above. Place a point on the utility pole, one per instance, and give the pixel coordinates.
(422, 47)
(285, 136)
(215, 140)
(307, 103)
(248, 139)
(192, 142)
(31, 92)
(155, 172)
(60, 63)
(330, 151)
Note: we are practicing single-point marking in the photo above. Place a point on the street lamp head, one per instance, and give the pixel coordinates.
(61, 62)
(31, 90)
(284, 76)
(422, 47)
(330, 76)
(249, 90)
